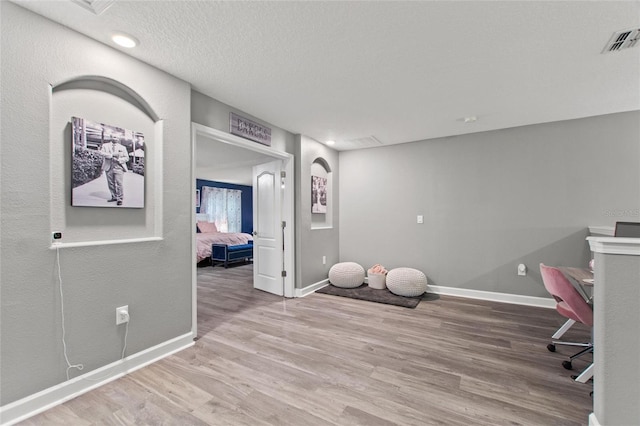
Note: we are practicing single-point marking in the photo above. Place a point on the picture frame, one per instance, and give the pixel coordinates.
(319, 194)
(107, 165)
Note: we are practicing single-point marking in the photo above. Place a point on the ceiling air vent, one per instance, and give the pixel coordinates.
(623, 40)
(95, 6)
(365, 142)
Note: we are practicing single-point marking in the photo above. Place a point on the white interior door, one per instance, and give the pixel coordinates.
(267, 228)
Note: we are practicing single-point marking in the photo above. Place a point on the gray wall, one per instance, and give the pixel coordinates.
(153, 278)
(312, 244)
(490, 200)
(215, 114)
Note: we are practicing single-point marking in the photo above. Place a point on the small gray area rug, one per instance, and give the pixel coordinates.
(364, 292)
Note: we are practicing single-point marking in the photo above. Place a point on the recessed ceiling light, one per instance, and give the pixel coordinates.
(470, 119)
(124, 40)
(331, 142)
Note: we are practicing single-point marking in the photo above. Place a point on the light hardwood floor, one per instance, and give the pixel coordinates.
(325, 360)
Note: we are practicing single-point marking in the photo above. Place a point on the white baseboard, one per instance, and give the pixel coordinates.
(31, 405)
(302, 292)
(593, 421)
(541, 302)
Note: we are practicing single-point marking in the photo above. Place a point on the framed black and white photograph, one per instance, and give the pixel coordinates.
(107, 165)
(318, 194)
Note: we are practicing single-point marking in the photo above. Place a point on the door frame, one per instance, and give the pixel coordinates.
(288, 215)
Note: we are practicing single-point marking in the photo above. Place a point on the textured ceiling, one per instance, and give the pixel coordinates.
(398, 71)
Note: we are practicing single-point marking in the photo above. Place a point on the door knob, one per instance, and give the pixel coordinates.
(254, 233)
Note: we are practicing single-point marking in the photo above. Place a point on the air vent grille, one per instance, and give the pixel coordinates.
(623, 40)
(95, 6)
(365, 142)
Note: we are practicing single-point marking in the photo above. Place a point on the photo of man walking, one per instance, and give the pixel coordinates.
(114, 164)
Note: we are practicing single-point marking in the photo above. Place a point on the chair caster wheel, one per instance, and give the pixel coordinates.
(551, 347)
(567, 365)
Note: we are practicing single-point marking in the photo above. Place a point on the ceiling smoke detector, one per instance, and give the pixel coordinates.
(95, 6)
(623, 40)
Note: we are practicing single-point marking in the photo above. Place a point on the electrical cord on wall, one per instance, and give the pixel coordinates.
(80, 367)
(126, 333)
(124, 348)
(64, 331)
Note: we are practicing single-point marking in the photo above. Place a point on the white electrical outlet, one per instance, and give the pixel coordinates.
(324, 260)
(522, 269)
(122, 315)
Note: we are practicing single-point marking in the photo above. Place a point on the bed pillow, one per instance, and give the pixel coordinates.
(207, 227)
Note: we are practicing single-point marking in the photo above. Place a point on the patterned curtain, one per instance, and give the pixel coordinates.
(224, 205)
(234, 210)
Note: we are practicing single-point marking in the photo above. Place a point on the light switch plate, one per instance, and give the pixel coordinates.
(420, 218)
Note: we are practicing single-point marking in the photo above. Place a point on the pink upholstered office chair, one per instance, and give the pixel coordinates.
(570, 304)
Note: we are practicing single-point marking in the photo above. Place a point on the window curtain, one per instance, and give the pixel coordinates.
(224, 206)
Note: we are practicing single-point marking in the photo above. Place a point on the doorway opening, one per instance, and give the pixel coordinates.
(221, 150)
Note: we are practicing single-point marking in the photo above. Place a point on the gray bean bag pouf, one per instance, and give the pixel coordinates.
(407, 282)
(346, 275)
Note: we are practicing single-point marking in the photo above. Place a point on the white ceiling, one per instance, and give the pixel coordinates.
(398, 71)
(222, 162)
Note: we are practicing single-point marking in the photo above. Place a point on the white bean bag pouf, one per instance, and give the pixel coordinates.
(346, 275)
(407, 282)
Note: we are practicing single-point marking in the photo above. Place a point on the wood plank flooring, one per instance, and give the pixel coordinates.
(328, 360)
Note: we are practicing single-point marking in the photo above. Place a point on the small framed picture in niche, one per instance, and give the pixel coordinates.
(318, 194)
(107, 165)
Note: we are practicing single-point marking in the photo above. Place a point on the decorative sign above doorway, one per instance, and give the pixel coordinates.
(248, 129)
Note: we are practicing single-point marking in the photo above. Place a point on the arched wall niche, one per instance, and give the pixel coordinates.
(103, 100)
(322, 162)
(108, 85)
(321, 215)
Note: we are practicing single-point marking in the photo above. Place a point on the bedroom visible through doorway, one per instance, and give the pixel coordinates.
(222, 157)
